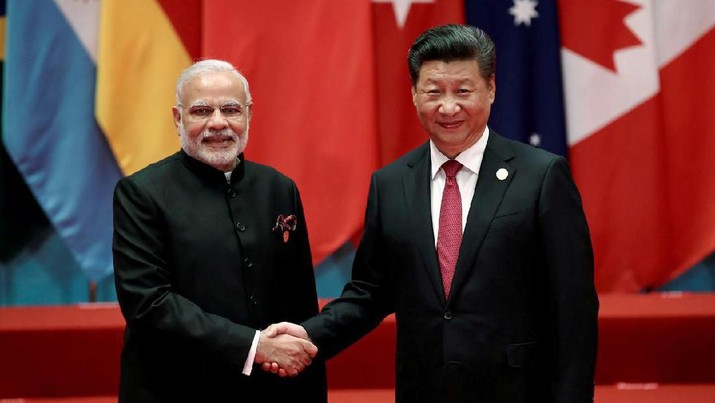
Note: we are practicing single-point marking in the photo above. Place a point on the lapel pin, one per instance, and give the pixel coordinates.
(502, 174)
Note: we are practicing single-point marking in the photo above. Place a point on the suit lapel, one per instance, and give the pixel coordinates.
(416, 186)
(488, 195)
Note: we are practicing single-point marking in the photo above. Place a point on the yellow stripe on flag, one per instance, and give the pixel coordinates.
(2, 38)
(140, 56)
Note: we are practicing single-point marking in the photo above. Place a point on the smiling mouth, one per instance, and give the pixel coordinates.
(218, 141)
(451, 125)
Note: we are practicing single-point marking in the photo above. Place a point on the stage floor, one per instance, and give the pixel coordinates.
(652, 348)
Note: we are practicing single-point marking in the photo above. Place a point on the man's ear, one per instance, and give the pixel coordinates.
(492, 87)
(414, 96)
(177, 117)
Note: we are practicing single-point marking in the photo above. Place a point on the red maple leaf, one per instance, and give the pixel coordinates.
(596, 29)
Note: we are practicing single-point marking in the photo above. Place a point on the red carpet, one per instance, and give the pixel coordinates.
(653, 348)
(604, 394)
(654, 393)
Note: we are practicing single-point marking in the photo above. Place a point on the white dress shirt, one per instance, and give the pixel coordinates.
(471, 159)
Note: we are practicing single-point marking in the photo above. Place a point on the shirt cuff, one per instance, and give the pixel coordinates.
(248, 365)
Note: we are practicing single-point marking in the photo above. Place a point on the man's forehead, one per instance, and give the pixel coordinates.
(450, 64)
(208, 89)
(452, 75)
(221, 102)
(222, 80)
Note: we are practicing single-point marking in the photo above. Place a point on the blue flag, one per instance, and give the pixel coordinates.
(49, 128)
(529, 103)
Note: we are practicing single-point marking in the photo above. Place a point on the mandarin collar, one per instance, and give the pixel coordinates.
(207, 171)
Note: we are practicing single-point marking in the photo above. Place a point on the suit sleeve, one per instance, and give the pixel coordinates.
(364, 302)
(143, 279)
(574, 303)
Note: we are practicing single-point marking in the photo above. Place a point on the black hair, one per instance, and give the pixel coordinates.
(449, 43)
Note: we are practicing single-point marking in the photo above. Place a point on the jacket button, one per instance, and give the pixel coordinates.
(248, 262)
(240, 226)
(448, 315)
(252, 300)
(231, 193)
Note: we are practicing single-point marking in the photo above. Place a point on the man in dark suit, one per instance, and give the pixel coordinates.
(208, 249)
(478, 244)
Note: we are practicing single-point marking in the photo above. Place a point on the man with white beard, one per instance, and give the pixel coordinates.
(209, 248)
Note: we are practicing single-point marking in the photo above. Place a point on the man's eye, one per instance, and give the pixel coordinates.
(230, 111)
(202, 112)
(465, 91)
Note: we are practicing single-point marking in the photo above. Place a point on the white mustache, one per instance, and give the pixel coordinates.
(221, 134)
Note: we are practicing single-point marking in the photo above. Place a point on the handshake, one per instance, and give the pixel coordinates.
(285, 349)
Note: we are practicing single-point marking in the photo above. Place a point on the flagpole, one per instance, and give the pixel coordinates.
(92, 291)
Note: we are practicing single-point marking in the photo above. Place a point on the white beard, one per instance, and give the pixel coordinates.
(216, 158)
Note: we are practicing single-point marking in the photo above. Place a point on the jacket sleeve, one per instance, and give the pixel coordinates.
(364, 302)
(573, 299)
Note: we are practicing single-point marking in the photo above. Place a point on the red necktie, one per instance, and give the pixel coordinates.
(449, 236)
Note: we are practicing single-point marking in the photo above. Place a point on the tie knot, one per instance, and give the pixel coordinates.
(451, 168)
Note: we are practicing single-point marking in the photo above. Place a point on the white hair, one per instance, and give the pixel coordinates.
(208, 66)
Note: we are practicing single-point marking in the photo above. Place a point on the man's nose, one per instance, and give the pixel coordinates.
(449, 105)
(217, 120)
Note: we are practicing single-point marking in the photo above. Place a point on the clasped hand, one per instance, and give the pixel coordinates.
(285, 349)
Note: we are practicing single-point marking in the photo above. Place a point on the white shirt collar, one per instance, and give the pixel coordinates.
(471, 158)
(228, 173)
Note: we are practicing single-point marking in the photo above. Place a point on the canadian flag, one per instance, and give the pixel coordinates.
(639, 80)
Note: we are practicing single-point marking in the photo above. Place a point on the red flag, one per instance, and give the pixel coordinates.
(331, 93)
(642, 134)
(396, 25)
(311, 70)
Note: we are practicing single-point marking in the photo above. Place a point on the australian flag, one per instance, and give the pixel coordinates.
(529, 103)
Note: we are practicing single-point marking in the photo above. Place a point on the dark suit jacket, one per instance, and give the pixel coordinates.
(198, 269)
(521, 321)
